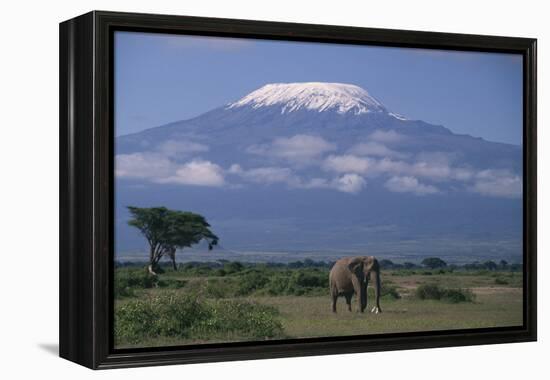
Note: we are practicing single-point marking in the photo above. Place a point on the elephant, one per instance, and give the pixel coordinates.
(351, 275)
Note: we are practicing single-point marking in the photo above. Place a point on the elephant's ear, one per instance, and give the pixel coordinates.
(355, 264)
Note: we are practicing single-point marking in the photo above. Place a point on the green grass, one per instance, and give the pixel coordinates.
(310, 317)
(200, 304)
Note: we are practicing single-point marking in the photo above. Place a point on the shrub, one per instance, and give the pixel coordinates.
(233, 267)
(436, 292)
(248, 319)
(127, 280)
(277, 285)
(390, 291)
(217, 288)
(250, 282)
(175, 315)
(458, 295)
(311, 279)
(166, 315)
(171, 283)
(387, 290)
(298, 283)
(501, 281)
(429, 292)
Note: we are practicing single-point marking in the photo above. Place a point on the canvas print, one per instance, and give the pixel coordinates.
(269, 190)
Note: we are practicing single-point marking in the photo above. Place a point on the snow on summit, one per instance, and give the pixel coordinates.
(316, 96)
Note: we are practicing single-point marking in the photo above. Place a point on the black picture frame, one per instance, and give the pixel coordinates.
(86, 189)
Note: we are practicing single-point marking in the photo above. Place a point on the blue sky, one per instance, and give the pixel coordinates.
(164, 78)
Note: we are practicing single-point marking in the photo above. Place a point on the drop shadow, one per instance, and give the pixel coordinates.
(52, 348)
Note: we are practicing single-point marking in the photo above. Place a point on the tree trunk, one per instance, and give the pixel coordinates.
(150, 270)
(173, 258)
(150, 267)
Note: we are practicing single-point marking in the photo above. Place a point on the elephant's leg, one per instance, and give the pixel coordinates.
(358, 290)
(363, 296)
(334, 296)
(348, 300)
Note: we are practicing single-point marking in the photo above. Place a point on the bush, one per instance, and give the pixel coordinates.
(278, 285)
(310, 279)
(217, 288)
(166, 315)
(171, 283)
(233, 267)
(458, 295)
(175, 315)
(247, 319)
(250, 282)
(435, 292)
(390, 291)
(501, 281)
(428, 292)
(297, 283)
(387, 290)
(127, 280)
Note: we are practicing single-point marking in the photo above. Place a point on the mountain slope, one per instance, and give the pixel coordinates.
(322, 152)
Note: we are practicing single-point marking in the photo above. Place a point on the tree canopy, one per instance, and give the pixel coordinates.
(434, 262)
(167, 230)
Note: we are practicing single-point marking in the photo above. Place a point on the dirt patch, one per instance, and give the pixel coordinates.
(488, 290)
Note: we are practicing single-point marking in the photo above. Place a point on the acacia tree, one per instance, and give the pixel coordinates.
(168, 230)
(434, 262)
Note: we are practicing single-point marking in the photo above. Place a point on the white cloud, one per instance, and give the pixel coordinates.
(235, 169)
(142, 165)
(157, 168)
(462, 174)
(349, 183)
(350, 171)
(431, 170)
(389, 136)
(267, 175)
(174, 148)
(409, 185)
(197, 173)
(298, 148)
(347, 164)
(498, 183)
(373, 148)
(389, 166)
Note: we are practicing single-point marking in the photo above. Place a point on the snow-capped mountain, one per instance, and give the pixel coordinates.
(306, 156)
(312, 96)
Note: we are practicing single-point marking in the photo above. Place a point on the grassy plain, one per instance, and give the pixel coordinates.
(257, 303)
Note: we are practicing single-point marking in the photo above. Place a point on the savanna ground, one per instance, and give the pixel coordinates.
(205, 303)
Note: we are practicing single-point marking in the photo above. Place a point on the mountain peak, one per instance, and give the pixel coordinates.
(314, 96)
